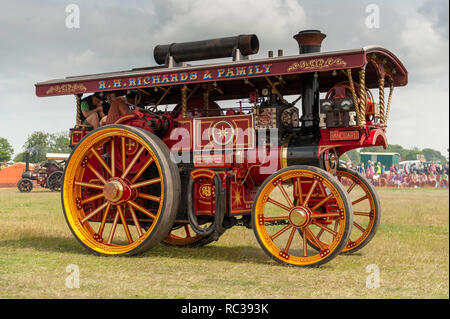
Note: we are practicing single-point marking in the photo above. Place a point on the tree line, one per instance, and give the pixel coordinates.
(38, 144)
(405, 153)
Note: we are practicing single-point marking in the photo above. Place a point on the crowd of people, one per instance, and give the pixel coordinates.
(415, 175)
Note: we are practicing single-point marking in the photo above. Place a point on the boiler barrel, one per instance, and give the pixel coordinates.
(207, 49)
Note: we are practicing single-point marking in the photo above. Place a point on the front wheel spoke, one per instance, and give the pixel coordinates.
(150, 197)
(359, 200)
(99, 176)
(146, 183)
(113, 228)
(305, 243)
(273, 219)
(299, 189)
(125, 225)
(289, 242)
(272, 201)
(314, 238)
(281, 231)
(325, 228)
(323, 201)
(142, 209)
(325, 215)
(135, 220)
(94, 212)
(133, 161)
(313, 186)
(285, 194)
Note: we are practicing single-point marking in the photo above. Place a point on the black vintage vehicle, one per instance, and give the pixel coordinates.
(47, 174)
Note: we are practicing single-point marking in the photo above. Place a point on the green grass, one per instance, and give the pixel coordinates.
(411, 250)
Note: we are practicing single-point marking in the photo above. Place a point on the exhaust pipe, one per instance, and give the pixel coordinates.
(207, 49)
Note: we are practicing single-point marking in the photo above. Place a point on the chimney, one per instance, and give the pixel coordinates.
(310, 41)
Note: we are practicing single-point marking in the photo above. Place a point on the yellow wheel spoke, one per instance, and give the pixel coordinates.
(92, 198)
(94, 212)
(146, 183)
(133, 161)
(124, 224)
(359, 226)
(142, 209)
(272, 219)
(150, 197)
(142, 170)
(325, 228)
(270, 200)
(105, 215)
(113, 158)
(286, 196)
(135, 220)
(323, 201)
(99, 176)
(359, 200)
(305, 243)
(102, 161)
(351, 187)
(289, 242)
(314, 238)
(361, 214)
(299, 187)
(313, 186)
(278, 233)
(113, 228)
(90, 185)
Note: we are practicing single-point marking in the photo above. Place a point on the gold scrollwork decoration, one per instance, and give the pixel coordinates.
(66, 89)
(317, 64)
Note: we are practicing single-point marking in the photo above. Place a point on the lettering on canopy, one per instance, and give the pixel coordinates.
(185, 77)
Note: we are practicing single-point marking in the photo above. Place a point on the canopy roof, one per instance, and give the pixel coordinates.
(238, 78)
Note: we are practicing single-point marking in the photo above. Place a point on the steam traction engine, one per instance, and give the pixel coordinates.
(212, 146)
(48, 174)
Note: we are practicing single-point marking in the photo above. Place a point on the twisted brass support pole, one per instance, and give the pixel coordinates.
(184, 101)
(388, 106)
(355, 98)
(362, 96)
(78, 99)
(381, 99)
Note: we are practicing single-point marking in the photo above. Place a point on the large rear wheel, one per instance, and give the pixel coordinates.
(298, 204)
(121, 191)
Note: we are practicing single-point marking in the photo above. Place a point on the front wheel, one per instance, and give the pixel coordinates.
(298, 204)
(25, 185)
(121, 191)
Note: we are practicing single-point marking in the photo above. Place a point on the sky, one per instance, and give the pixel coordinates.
(36, 45)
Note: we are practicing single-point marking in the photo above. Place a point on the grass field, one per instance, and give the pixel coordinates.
(411, 251)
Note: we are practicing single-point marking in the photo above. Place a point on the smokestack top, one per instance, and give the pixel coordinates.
(309, 40)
